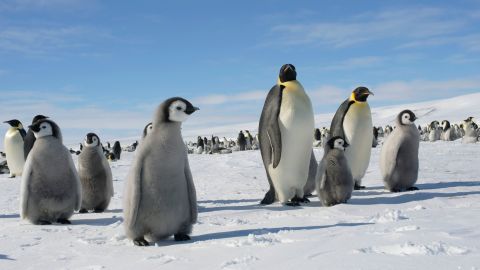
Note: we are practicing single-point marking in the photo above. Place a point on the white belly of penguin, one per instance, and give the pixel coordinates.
(14, 149)
(358, 129)
(296, 127)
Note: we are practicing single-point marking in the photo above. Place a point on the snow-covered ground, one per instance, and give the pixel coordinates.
(436, 227)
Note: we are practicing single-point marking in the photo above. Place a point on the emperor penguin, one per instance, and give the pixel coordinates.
(242, 141)
(29, 139)
(14, 143)
(399, 154)
(471, 135)
(95, 176)
(334, 177)
(434, 131)
(317, 138)
(200, 145)
(50, 189)
(285, 137)
(117, 150)
(159, 197)
(447, 132)
(353, 122)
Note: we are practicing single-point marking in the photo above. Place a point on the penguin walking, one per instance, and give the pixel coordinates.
(50, 189)
(29, 139)
(334, 177)
(353, 122)
(399, 154)
(285, 137)
(160, 198)
(117, 150)
(14, 144)
(95, 176)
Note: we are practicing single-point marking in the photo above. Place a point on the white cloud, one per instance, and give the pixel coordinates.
(412, 24)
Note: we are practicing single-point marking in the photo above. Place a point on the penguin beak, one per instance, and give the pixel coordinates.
(89, 140)
(191, 110)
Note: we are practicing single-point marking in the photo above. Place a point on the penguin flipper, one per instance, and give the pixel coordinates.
(132, 199)
(336, 127)
(388, 155)
(192, 194)
(109, 177)
(78, 190)
(270, 137)
(23, 133)
(25, 187)
(321, 176)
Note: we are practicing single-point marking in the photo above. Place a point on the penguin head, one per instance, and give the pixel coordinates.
(360, 94)
(337, 142)
(38, 117)
(175, 109)
(406, 117)
(42, 129)
(148, 128)
(287, 73)
(446, 125)
(14, 123)
(92, 140)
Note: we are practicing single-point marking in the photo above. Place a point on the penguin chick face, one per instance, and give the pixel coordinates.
(179, 110)
(92, 140)
(337, 142)
(38, 117)
(287, 73)
(406, 117)
(14, 123)
(42, 129)
(360, 94)
(148, 128)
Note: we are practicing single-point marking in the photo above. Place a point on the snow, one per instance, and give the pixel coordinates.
(433, 228)
(436, 227)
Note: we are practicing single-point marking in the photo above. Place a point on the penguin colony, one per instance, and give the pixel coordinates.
(160, 197)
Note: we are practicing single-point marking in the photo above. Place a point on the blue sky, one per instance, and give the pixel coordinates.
(105, 65)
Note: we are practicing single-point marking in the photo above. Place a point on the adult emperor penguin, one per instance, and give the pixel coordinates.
(285, 137)
(334, 177)
(117, 150)
(95, 176)
(353, 122)
(160, 198)
(50, 189)
(29, 139)
(399, 154)
(14, 143)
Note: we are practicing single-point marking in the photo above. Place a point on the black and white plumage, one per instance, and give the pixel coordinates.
(334, 177)
(117, 150)
(285, 137)
(399, 154)
(160, 198)
(14, 147)
(50, 189)
(29, 139)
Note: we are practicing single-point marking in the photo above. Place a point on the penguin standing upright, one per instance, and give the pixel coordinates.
(160, 198)
(242, 141)
(353, 122)
(29, 139)
(50, 189)
(117, 150)
(14, 144)
(95, 175)
(447, 132)
(334, 177)
(285, 137)
(399, 154)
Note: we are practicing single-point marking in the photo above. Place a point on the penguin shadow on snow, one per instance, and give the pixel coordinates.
(5, 257)
(257, 206)
(10, 216)
(263, 231)
(229, 201)
(421, 195)
(96, 221)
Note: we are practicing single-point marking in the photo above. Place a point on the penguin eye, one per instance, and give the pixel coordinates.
(44, 127)
(179, 108)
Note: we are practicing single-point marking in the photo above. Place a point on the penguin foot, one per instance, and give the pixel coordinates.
(269, 197)
(83, 211)
(412, 188)
(300, 200)
(293, 204)
(98, 210)
(358, 187)
(11, 176)
(181, 237)
(43, 222)
(141, 242)
(395, 190)
(63, 221)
